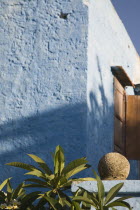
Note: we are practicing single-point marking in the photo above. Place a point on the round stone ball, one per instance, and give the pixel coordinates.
(113, 166)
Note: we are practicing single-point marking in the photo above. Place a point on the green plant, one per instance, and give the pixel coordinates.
(55, 182)
(16, 198)
(100, 201)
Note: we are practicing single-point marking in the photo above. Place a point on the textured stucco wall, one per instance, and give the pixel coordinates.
(43, 78)
(108, 45)
(43, 73)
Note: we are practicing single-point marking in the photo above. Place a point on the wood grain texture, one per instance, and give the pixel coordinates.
(122, 76)
(133, 127)
(119, 117)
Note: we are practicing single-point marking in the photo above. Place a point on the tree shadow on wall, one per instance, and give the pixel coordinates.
(101, 124)
(40, 134)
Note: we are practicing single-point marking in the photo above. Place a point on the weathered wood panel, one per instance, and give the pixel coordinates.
(122, 76)
(133, 127)
(119, 117)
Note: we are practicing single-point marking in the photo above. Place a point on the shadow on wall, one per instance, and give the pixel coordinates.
(66, 126)
(40, 134)
(101, 124)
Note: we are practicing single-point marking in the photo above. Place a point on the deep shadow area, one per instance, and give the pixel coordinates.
(40, 134)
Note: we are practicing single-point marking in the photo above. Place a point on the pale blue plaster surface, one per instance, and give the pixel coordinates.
(43, 78)
(43, 74)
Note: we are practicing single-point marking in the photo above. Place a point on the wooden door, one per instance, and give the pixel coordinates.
(119, 117)
(133, 127)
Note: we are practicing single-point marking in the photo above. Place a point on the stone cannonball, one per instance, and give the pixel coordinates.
(113, 166)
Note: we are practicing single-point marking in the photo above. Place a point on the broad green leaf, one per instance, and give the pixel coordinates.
(79, 192)
(18, 191)
(123, 198)
(48, 194)
(67, 203)
(61, 200)
(75, 206)
(59, 160)
(56, 160)
(77, 170)
(95, 194)
(9, 191)
(62, 181)
(29, 198)
(37, 173)
(9, 187)
(53, 202)
(85, 194)
(4, 183)
(81, 198)
(41, 163)
(51, 177)
(84, 179)
(113, 192)
(54, 182)
(21, 193)
(38, 181)
(74, 164)
(119, 203)
(101, 191)
(90, 196)
(22, 165)
(93, 198)
(85, 206)
(64, 199)
(67, 184)
(35, 185)
(62, 160)
(56, 164)
(41, 196)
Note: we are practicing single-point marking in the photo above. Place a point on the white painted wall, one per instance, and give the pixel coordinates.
(108, 45)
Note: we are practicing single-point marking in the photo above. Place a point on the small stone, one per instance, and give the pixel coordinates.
(113, 166)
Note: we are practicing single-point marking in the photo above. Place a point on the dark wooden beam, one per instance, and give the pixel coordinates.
(122, 76)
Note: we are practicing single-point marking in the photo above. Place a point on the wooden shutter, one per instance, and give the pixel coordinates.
(133, 127)
(121, 80)
(126, 116)
(119, 117)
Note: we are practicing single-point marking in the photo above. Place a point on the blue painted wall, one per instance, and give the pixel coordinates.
(43, 74)
(44, 84)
